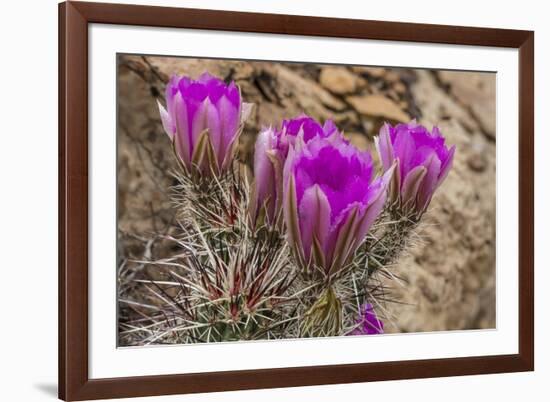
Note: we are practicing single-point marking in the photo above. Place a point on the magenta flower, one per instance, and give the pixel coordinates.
(423, 162)
(203, 118)
(369, 323)
(270, 153)
(330, 200)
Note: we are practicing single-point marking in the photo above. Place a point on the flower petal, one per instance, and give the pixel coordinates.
(213, 125)
(278, 173)
(171, 91)
(404, 149)
(318, 254)
(446, 166)
(371, 323)
(264, 176)
(394, 191)
(167, 123)
(427, 187)
(375, 206)
(314, 218)
(384, 146)
(229, 118)
(202, 154)
(182, 138)
(411, 184)
(199, 122)
(368, 215)
(343, 239)
(291, 218)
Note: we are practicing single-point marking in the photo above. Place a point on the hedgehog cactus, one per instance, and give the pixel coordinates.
(327, 218)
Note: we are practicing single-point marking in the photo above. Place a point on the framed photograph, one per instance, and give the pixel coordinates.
(260, 200)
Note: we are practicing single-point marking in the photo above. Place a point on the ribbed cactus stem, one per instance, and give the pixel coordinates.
(392, 241)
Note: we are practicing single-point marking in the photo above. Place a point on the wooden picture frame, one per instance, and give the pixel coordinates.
(74, 381)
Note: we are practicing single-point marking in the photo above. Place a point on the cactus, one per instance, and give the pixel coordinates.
(299, 252)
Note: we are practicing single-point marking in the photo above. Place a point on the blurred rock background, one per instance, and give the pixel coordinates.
(449, 275)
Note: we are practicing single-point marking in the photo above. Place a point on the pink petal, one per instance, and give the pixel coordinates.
(199, 123)
(214, 129)
(181, 138)
(395, 183)
(229, 118)
(446, 166)
(384, 146)
(427, 187)
(264, 176)
(171, 90)
(314, 218)
(411, 184)
(167, 123)
(290, 210)
(342, 236)
(372, 212)
(288, 166)
(404, 149)
(375, 206)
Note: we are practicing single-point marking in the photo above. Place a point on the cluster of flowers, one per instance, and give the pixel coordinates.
(309, 180)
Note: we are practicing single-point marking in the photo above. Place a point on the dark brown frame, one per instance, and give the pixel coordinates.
(74, 17)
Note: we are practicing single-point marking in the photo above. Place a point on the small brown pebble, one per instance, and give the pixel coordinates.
(378, 106)
(457, 221)
(477, 162)
(399, 87)
(374, 72)
(338, 80)
(392, 76)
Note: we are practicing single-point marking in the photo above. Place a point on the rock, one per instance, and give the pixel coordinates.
(312, 97)
(437, 105)
(358, 139)
(477, 92)
(243, 71)
(338, 80)
(378, 106)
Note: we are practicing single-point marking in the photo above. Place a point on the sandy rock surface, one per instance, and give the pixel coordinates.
(450, 273)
